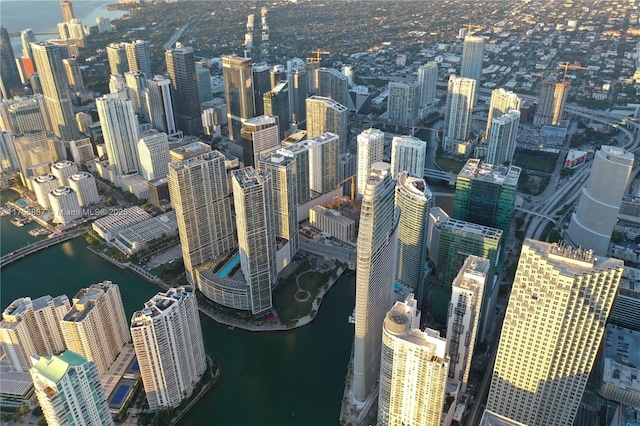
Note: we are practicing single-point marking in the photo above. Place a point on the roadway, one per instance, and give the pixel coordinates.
(40, 245)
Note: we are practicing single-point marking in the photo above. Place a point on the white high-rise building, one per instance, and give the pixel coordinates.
(413, 370)
(551, 333)
(414, 198)
(375, 275)
(120, 130)
(32, 327)
(408, 154)
(502, 101)
(168, 341)
(472, 56)
(428, 79)
(370, 150)
(96, 326)
(84, 184)
(42, 186)
(137, 85)
(200, 196)
(259, 135)
(256, 235)
(69, 391)
(503, 138)
(467, 292)
(64, 205)
(159, 105)
(323, 162)
(327, 115)
(62, 170)
(153, 151)
(8, 155)
(457, 117)
(138, 57)
(403, 102)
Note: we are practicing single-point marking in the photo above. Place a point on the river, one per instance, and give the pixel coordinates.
(276, 378)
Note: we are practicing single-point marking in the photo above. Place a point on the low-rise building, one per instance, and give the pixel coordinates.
(108, 227)
(621, 366)
(333, 223)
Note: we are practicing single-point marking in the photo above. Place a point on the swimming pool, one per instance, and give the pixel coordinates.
(229, 266)
(120, 394)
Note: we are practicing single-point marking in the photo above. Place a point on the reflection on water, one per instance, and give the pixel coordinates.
(67, 248)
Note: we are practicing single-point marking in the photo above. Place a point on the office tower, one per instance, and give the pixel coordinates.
(503, 138)
(31, 327)
(62, 170)
(200, 196)
(57, 96)
(551, 100)
(168, 329)
(502, 102)
(298, 86)
(552, 329)
(276, 102)
(64, 205)
(120, 131)
(457, 117)
(332, 84)
(160, 105)
(471, 66)
(597, 212)
(184, 152)
(238, 89)
(27, 37)
(375, 274)
(347, 167)
(73, 73)
(464, 317)
(370, 150)
(69, 391)
(72, 32)
(407, 155)
(104, 24)
(84, 185)
(282, 171)
(117, 56)
(486, 194)
(256, 235)
(451, 241)
(8, 155)
(67, 11)
(42, 186)
(300, 152)
(138, 57)
(153, 151)
(427, 80)
(403, 102)
(327, 115)
(182, 70)
(96, 326)
(27, 114)
(34, 154)
(9, 77)
(312, 72)
(137, 85)
(81, 150)
(323, 163)
(413, 370)
(261, 79)
(414, 199)
(203, 75)
(257, 135)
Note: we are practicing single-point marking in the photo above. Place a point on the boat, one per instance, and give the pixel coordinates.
(21, 221)
(38, 232)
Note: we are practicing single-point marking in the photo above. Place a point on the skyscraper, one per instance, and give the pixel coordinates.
(73, 73)
(413, 370)
(84, 184)
(8, 155)
(502, 101)
(414, 198)
(117, 56)
(261, 79)
(551, 333)
(370, 150)
(407, 155)
(159, 105)
(404, 101)
(300, 151)
(597, 212)
(153, 151)
(34, 154)
(138, 57)
(298, 86)
(203, 75)
(63, 170)
(67, 11)
(276, 102)
(327, 115)
(332, 84)
(64, 205)
(137, 84)
(42, 186)
(96, 326)
(120, 131)
(323, 163)
(9, 77)
(166, 330)
(31, 327)
(27, 37)
(182, 70)
(256, 235)
(471, 66)
(200, 196)
(551, 100)
(258, 135)
(375, 274)
(69, 390)
(457, 117)
(503, 138)
(27, 114)
(427, 79)
(57, 96)
(464, 317)
(238, 90)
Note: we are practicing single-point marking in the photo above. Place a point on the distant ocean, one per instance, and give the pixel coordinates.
(44, 15)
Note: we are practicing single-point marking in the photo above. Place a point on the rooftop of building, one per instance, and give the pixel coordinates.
(330, 102)
(85, 300)
(617, 151)
(44, 178)
(415, 185)
(492, 419)
(294, 137)
(443, 221)
(398, 323)
(630, 282)
(196, 160)
(248, 177)
(476, 169)
(570, 261)
(54, 367)
(189, 150)
(159, 303)
(14, 383)
(622, 347)
(276, 159)
(80, 176)
(63, 164)
(261, 120)
(472, 274)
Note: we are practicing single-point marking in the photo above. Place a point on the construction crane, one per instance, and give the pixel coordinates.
(318, 57)
(471, 27)
(566, 67)
(352, 178)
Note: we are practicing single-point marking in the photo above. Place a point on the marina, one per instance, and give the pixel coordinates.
(21, 221)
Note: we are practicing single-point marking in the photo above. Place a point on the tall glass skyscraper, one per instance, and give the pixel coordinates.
(551, 100)
(9, 77)
(471, 67)
(370, 150)
(408, 154)
(120, 130)
(502, 101)
(428, 79)
(182, 70)
(327, 115)
(457, 117)
(138, 57)
(276, 103)
(238, 88)
(502, 138)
